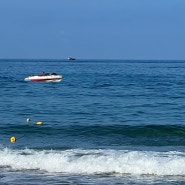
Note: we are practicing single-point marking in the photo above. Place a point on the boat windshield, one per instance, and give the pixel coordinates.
(46, 74)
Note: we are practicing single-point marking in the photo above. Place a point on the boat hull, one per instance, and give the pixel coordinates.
(49, 78)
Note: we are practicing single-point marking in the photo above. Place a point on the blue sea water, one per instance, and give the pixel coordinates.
(106, 122)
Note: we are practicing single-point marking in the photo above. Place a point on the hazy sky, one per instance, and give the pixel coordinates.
(92, 29)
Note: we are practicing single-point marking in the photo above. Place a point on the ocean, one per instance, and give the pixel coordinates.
(106, 122)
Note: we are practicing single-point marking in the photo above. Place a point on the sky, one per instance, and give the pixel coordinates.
(92, 29)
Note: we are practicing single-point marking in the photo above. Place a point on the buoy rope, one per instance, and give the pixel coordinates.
(13, 139)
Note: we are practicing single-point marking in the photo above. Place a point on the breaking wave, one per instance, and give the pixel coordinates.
(77, 161)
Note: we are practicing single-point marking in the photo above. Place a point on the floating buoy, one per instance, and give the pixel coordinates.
(39, 122)
(13, 139)
(28, 120)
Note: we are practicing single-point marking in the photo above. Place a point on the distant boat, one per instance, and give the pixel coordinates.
(44, 77)
(71, 58)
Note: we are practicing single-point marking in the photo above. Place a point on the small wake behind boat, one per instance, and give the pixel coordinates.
(44, 77)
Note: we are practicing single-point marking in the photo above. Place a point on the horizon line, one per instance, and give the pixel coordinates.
(64, 59)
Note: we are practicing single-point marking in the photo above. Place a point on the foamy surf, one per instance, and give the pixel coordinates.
(78, 161)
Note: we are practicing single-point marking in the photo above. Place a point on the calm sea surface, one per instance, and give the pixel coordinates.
(106, 122)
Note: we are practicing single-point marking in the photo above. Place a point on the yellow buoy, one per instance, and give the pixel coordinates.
(39, 122)
(13, 139)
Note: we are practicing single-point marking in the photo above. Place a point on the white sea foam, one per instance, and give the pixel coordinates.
(95, 161)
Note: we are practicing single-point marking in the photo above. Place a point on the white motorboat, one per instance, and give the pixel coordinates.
(44, 77)
(71, 58)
